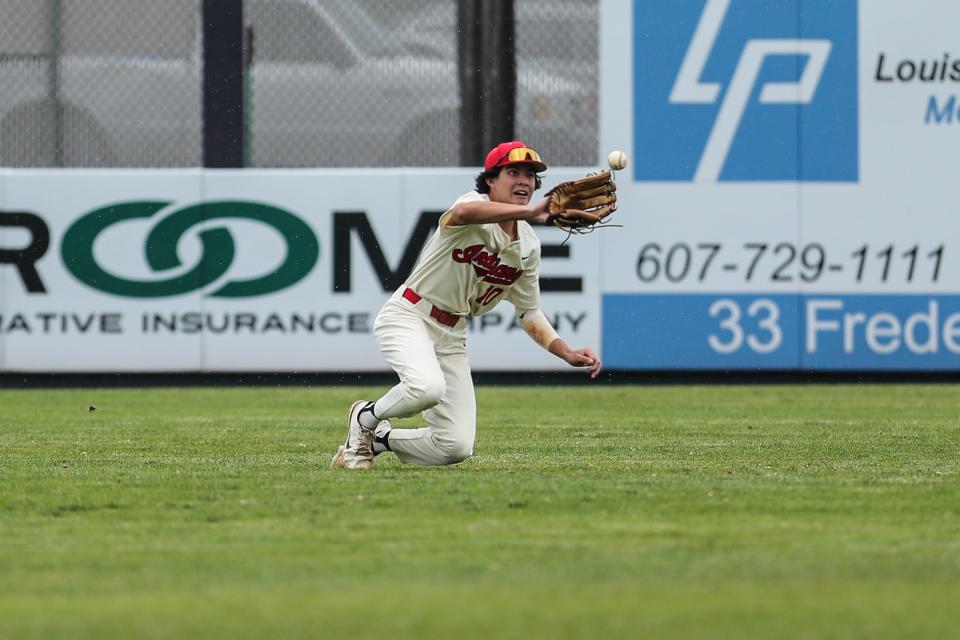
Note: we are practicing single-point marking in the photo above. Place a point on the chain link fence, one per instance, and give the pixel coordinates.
(557, 70)
(100, 83)
(371, 83)
(333, 84)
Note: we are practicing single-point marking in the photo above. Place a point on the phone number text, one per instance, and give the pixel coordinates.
(786, 262)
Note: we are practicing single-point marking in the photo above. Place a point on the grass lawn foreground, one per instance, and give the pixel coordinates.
(595, 511)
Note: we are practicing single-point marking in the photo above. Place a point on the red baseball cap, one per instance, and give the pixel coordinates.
(513, 152)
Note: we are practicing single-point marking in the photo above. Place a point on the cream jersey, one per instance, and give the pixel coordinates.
(468, 269)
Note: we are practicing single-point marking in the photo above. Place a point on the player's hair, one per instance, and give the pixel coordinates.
(483, 176)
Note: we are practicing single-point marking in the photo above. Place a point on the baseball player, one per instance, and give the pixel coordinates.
(483, 251)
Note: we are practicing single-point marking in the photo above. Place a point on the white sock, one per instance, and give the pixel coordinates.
(381, 437)
(366, 417)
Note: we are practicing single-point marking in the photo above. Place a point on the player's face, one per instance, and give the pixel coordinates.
(514, 184)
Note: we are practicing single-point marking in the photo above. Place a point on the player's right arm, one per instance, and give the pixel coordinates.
(483, 212)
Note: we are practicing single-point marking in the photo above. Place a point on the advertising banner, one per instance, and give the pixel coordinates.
(243, 270)
(787, 206)
(790, 198)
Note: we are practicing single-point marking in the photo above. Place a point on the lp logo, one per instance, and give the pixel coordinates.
(746, 90)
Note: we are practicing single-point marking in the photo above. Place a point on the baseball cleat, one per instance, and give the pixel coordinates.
(336, 462)
(357, 451)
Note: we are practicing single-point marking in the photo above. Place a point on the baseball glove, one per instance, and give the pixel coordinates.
(578, 206)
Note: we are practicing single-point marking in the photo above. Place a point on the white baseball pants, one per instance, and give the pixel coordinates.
(431, 361)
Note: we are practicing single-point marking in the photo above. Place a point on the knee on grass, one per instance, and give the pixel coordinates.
(453, 451)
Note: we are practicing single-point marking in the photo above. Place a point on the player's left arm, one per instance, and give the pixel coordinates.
(542, 332)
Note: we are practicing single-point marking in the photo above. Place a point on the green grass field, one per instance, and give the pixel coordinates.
(594, 512)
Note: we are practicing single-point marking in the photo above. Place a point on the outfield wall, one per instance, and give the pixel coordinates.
(788, 206)
(794, 183)
(242, 270)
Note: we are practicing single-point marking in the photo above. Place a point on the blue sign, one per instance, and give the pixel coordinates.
(700, 331)
(745, 90)
(782, 331)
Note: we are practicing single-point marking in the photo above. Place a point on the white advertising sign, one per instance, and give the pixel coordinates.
(243, 270)
(788, 205)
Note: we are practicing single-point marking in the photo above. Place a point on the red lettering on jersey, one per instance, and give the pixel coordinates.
(468, 254)
(487, 265)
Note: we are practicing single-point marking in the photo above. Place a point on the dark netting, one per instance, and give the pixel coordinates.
(336, 84)
(374, 82)
(557, 60)
(100, 83)
(370, 83)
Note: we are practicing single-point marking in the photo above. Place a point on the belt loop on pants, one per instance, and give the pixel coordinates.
(438, 314)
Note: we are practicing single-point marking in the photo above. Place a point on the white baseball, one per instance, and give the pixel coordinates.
(617, 160)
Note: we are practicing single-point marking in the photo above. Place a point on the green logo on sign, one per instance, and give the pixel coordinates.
(216, 256)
